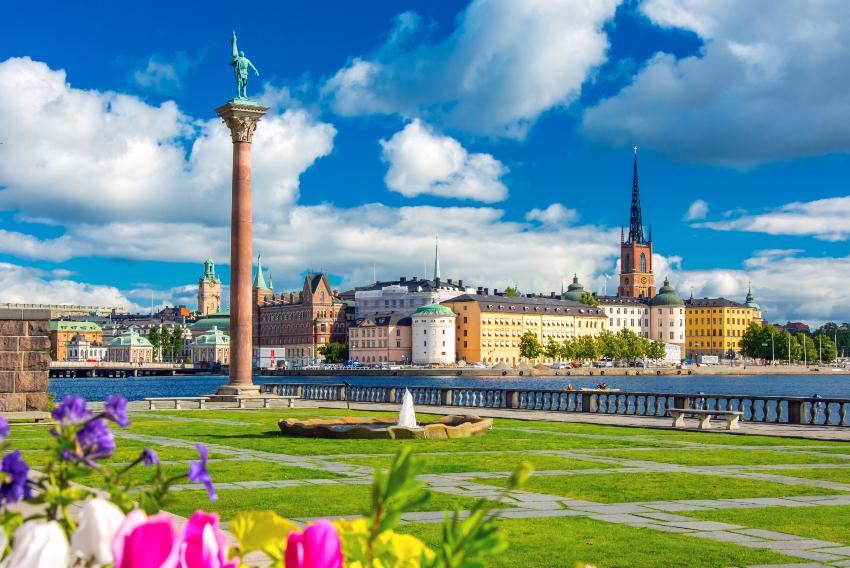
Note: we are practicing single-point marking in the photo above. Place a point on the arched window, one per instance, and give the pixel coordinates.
(642, 262)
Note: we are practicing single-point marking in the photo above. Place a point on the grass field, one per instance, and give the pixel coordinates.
(256, 468)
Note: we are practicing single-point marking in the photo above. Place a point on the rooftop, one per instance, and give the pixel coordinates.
(525, 304)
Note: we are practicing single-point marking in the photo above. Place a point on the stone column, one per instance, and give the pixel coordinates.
(241, 118)
(24, 359)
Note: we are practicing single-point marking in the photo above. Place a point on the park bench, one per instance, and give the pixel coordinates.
(733, 417)
(26, 416)
(201, 400)
(266, 398)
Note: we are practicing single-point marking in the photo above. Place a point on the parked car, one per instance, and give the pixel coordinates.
(560, 365)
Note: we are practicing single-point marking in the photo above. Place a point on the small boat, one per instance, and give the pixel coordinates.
(599, 390)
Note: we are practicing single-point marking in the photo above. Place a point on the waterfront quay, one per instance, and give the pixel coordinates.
(115, 369)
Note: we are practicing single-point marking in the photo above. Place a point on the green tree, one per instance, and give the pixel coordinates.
(165, 342)
(825, 346)
(155, 339)
(656, 350)
(334, 352)
(586, 348)
(511, 292)
(529, 346)
(552, 350)
(633, 347)
(811, 353)
(177, 343)
(588, 298)
(568, 349)
(610, 345)
(753, 342)
(784, 339)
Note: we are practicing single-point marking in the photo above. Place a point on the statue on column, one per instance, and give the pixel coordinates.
(241, 64)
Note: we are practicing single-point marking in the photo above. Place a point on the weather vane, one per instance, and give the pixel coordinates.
(241, 64)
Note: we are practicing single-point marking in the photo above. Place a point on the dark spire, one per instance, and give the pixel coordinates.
(650, 233)
(622, 232)
(635, 218)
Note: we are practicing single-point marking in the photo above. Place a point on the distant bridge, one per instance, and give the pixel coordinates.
(73, 369)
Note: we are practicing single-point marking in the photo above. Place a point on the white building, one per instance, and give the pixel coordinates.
(130, 348)
(667, 316)
(80, 349)
(211, 348)
(404, 296)
(626, 313)
(433, 335)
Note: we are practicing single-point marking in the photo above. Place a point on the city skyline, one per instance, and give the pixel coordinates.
(111, 191)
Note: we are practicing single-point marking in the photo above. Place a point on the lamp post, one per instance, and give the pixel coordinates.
(765, 345)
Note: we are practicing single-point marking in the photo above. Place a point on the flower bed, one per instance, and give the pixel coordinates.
(454, 426)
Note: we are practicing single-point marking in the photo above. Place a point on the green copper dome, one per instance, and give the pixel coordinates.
(213, 337)
(666, 296)
(751, 302)
(574, 290)
(130, 339)
(433, 310)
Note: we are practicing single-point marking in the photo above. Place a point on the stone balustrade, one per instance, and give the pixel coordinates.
(772, 409)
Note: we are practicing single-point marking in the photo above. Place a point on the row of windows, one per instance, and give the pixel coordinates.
(729, 321)
(715, 333)
(744, 311)
(714, 344)
(373, 332)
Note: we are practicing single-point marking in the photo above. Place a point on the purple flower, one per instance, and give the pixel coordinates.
(4, 428)
(198, 472)
(115, 409)
(15, 472)
(95, 440)
(149, 457)
(72, 410)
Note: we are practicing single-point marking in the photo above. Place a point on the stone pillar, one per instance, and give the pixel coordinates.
(241, 118)
(24, 359)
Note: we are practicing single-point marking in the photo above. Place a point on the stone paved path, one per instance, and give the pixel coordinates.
(664, 516)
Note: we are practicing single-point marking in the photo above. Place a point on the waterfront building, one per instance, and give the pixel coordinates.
(625, 312)
(130, 348)
(63, 331)
(489, 328)
(67, 310)
(220, 320)
(667, 316)
(715, 326)
(209, 290)
(80, 349)
(380, 339)
(211, 348)
(636, 277)
(433, 331)
(301, 322)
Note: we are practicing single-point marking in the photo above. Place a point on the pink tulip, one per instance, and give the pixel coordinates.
(203, 544)
(317, 547)
(145, 542)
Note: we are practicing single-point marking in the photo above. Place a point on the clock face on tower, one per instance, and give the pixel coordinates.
(643, 280)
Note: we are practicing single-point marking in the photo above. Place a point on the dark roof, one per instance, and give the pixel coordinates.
(712, 303)
(620, 300)
(383, 321)
(411, 284)
(518, 304)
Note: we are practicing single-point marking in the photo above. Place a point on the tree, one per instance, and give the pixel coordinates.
(610, 345)
(334, 352)
(806, 342)
(755, 343)
(511, 292)
(529, 346)
(568, 349)
(825, 346)
(656, 350)
(552, 350)
(177, 343)
(155, 340)
(586, 348)
(165, 342)
(783, 340)
(633, 347)
(588, 298)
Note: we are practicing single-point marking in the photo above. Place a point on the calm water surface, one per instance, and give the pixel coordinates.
(826, 385)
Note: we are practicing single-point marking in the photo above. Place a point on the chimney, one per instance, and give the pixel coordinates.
(486, 291)
(460, 283)
(402, 279)
(480, 290)
(495, 292)
(449, 280)
(551, 294)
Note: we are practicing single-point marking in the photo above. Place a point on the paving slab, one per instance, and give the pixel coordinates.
(769, 535)
(794, 545)
(620, 519)
(701, 525)
(807, 565)
(614, 509)
(723, 536)
(842, 550)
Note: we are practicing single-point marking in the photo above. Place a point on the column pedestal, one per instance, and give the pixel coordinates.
(241, 117)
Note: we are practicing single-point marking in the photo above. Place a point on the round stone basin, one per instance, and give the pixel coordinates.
(454, 426)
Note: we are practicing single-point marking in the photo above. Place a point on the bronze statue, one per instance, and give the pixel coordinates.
(241, 64)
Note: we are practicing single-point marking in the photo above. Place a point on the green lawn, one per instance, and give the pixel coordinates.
(696, 456)
(461, 463)
(300, 501)
(823, 523)
(837, 474)
(637, 487)
(572, 542)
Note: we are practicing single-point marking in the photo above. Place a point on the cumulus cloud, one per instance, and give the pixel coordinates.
(697, 210)
(505, 63)
(424, 162)
(161, 74)
(825, 219)
(770, 83)
(555, 214)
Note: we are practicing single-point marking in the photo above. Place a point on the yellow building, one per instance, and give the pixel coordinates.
(489, 328)
(715, 326)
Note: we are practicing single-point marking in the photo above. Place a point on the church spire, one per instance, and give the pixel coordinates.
(635, 218)
(259, 279)
(436, 257)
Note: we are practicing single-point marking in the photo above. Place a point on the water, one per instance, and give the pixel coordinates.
(407, 416)
(831, 385)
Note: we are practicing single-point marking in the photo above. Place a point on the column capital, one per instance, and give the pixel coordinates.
(241, 118)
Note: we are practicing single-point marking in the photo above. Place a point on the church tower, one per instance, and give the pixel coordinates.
(209, 290)
(636, 278)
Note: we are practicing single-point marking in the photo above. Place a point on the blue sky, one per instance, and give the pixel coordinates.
(505, 126)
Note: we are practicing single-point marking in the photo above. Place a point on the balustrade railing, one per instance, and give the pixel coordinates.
(769, 409)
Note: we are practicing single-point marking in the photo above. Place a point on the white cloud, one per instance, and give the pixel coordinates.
(770, 83)
(506, 63)
(825, 219)
(162, 74)
(697, 210)
(424, 162)
(555, 214)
